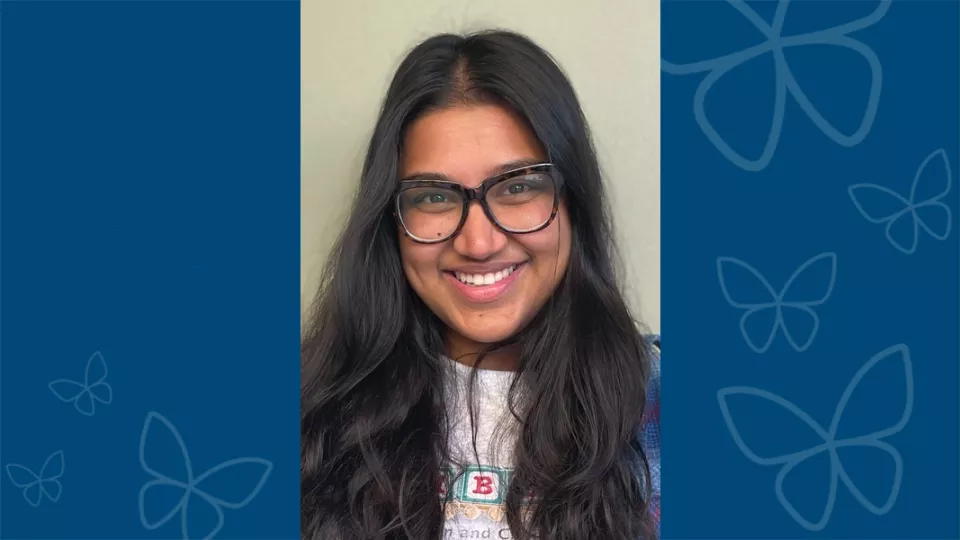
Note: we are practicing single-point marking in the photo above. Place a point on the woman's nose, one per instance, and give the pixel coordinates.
(479, 239)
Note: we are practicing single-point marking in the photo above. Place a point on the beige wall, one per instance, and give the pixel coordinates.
(610, 50)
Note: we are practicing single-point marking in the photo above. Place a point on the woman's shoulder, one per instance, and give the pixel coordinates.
(650, 433)
(653, 345)
(653, 342)
(651, 413)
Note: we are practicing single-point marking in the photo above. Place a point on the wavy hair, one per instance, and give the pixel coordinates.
(374, 426)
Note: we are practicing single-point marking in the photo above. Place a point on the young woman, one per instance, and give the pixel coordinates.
(471, 369)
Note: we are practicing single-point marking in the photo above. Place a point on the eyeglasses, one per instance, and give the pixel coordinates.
(519, 201)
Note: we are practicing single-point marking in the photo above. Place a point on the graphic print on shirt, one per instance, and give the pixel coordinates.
(474, 502)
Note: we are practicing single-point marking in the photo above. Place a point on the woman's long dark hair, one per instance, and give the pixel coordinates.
(374, 425)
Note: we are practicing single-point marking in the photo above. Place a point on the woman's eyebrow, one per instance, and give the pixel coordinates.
(514, 164)
(424, 175)
(499, 169)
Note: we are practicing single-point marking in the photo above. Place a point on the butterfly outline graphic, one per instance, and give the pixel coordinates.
(908, 208)
(36, 486)
(191, 484)
(785, 82)
(777, 301)
(93, 389)
(789, 462)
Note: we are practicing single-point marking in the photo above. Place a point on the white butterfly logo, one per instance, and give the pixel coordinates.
(93, 389)
(186, 490)
(37, 486)
(836, 473)
(904, 217)
(785, 82)
(766, 307)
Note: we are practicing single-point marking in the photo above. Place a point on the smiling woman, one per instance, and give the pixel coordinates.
(489, 267)
(472, 368)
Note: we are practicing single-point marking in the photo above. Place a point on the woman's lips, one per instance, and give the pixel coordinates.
(480, 294)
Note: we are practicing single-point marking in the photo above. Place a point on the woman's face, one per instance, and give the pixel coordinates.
(468, 145)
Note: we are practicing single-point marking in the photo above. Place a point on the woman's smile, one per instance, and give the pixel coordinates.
(481, 286)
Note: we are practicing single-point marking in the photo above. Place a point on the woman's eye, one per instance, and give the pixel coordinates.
(432, 198)
(517, 188)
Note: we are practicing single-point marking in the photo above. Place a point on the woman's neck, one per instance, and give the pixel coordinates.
(466, 352)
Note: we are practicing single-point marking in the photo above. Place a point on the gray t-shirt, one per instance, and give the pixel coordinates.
(475, 488)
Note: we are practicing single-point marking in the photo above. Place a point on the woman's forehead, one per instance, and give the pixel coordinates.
(467, 144)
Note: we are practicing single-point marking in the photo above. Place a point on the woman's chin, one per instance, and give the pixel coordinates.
(487, 335)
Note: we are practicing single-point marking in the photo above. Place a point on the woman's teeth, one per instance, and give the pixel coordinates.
(478, 280)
